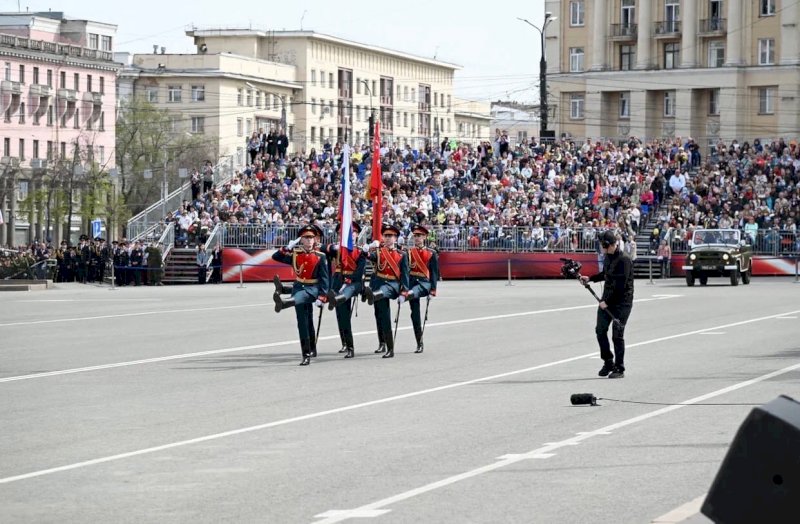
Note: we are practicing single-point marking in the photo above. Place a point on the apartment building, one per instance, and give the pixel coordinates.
(710, 69)
(519, 121)
(57, 100)
(345, 83)
(224, 97)
(472, 120)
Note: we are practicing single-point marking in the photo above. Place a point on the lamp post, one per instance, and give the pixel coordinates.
(371, 130)
(548, 18)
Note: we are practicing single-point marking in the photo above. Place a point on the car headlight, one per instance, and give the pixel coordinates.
(692, 256)
(725, 256)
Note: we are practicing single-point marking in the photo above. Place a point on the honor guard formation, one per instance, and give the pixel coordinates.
(335, 275)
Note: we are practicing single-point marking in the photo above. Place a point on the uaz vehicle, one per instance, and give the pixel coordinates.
(718, 253)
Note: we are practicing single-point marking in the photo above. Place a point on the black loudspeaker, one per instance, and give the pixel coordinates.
(759, 480)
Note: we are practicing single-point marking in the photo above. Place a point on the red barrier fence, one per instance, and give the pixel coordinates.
(256, 265)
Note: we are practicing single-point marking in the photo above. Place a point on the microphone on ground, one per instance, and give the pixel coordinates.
(580, 399)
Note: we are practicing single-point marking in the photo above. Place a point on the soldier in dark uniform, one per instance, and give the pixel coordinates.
(346, 283)
(310, 285)
(105, 254)
(136, 261)
(84, 259)
(154, 263)
(423, 269)
(62, 261)
(391, 279)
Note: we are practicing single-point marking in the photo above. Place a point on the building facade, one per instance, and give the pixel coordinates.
(708, 69)
(345, 83)
(519, 121)
(57, 100)
(222, 96)
(472, 121)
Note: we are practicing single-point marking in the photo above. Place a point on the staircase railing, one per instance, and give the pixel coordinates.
(167, 240)
(154, 213)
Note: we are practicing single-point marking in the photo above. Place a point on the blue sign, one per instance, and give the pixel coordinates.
(97, 227)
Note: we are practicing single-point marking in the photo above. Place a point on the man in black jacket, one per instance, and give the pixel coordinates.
(617, 300)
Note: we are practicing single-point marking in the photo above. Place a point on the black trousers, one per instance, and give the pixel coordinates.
(419, 289)
(621, 312)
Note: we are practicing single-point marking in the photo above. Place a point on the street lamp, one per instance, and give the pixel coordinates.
(371, 129)
(548, 17)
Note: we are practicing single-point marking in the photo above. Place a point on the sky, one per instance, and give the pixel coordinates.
(498, 53)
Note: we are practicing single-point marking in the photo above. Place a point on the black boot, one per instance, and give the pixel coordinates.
(282, 303)
(420, 347)
(608, 367)
(350, 353)
(334, 300)
(278, 286)
(389, 347)
(381, 348)
(344, 349)
(312, 348)
(373, 296)
(304, 349)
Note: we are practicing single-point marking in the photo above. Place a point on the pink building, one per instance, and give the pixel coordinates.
(57, 113)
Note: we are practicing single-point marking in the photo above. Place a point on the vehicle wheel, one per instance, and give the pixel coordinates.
(703, 281)
(690, 279)
(746, 276)
(735, 276)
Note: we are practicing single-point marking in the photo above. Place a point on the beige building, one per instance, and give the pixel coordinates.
(712, 69)
(472, 121)
(344, 82)
(220, 95)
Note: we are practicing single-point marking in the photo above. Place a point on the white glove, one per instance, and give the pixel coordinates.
(335, 247)
(401, 299)
(318, 303)
(342, 288)
(375, 244)
(293, 243)
(365, 247)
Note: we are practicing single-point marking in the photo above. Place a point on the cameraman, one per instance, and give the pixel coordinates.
(617, 300)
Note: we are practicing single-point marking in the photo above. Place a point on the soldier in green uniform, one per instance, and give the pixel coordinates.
(154, 263)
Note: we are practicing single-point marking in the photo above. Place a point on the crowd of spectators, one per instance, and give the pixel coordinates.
(539, 197)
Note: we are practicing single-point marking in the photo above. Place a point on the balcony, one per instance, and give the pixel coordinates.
(345, 93)
(96, 97)
(69, 95)
(386, 100)
(667, 29)
(345, 120)
(54, 48)
(424, 107)
(10, 97)
(41, 91)
(713, 27)
(624, 32)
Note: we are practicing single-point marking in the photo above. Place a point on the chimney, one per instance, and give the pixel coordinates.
(163, 49)
(155, 49)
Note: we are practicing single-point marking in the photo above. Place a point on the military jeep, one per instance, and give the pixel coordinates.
(718, 253)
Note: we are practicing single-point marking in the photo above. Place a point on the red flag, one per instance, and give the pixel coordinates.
(596, 197)
(376, 185)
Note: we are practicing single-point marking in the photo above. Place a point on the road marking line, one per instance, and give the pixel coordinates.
(310, 416)
(715, 332)
(548, 448)
(336, 513)
(121, 315)
(786, 318)
(682, 513)
(272, 344)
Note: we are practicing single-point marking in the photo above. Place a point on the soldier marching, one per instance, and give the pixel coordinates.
(423, 265)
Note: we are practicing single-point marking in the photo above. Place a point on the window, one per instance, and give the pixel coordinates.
(713, 101)
(22, 113)
(62, 80)
(248, 127)
(766, 7)
(50, 77)
(76, 120)
(358, 86)
(240, 96)
(575, 59)
(198, 124)
(6, 147)
(625, 104)
(716, 54)
(102, 85)
(88, 82)
(413, 95)
(628, 14)
(258, 99)
(313, 134)
(101, 150)
(405, 119)
(405, 93)
(766, 100)
(313, 106)
(313, 77)
(198, 93)
(239, 127)
(672, 55)
(76, 80)
(249, 98)
(151, 94)
(22, 149)
(35, 149)
(577, 13)
(94, 41)
(7, 72)
(766, 51)
(322, 78)
(49, 150)
(672, 13)
(21, 74)
(51, 116)
(63, 149)
(102, 121)
(330, 80)
(174, 121)
(627, 54)
(174, 94)
(669, 103)
(35, 75)
(105, 43)
(576, 103)
(276, 103)
(374, 87)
